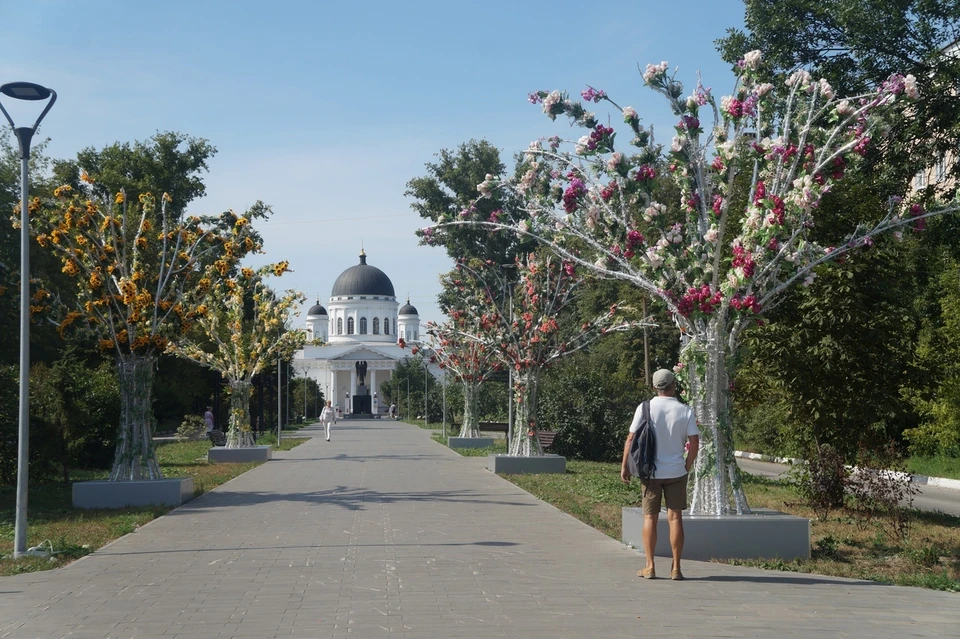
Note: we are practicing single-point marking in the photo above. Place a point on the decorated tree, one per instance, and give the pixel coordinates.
(533, 329)
(750, 180)
(242, 327)
(132, 264)
(465, 344)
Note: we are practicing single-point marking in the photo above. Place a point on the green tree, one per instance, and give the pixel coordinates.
(855, 44)
(167, 162)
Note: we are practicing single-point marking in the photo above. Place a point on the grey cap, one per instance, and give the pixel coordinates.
(663, 378)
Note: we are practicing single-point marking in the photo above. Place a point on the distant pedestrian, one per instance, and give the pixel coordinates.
(675, 426)
(208, 419)
(328, 416)
(393, 410)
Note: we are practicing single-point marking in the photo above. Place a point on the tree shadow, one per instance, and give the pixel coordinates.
(492, 544)
(786, 579)
(345, 497)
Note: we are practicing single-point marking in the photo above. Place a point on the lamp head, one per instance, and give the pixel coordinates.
(25, 91)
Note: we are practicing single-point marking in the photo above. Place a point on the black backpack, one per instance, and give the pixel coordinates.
(641, 460)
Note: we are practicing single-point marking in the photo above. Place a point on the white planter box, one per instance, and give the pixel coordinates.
(512, 465)
(220, 454)
(118, 494)
(764, 533)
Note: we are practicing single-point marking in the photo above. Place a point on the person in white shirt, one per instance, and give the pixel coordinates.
(208, 419)
(674, 425)
(328, 416)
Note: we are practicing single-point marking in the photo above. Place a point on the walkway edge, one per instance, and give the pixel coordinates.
(922, 480)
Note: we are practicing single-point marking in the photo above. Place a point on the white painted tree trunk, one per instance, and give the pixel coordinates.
(240, 435)
(135, 457)
(717, 486)
(471, 424)
(525, 442)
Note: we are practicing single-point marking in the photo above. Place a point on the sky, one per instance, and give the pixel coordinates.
(324, 110)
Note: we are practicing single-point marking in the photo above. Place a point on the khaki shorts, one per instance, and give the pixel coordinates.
(654, 490)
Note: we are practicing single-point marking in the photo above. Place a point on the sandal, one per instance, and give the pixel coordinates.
(648, 573)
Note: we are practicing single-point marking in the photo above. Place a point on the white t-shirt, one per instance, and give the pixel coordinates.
(673, 422)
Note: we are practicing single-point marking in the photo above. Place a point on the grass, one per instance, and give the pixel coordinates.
(499, 447)
(287, 441)
(75, 532)
(593, 493)
(419, 423)
(948, 467)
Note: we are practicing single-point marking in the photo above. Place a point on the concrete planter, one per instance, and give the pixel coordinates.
(764, 533)
(469, 442)
(118, 494)
(221, 455)
(512, 465)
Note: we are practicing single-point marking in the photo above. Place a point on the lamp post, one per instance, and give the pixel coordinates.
(443, 382)
(346, 402)
(31, 93)
(426, 371)
(279, 403)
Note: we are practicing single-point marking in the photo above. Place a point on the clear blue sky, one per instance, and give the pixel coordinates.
(325, 109)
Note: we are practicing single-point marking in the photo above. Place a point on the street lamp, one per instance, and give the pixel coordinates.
(346, 402)
(31, 93)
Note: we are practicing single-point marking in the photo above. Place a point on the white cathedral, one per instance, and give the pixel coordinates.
(356, 339)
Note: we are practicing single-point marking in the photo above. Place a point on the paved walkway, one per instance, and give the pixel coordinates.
(382, 532)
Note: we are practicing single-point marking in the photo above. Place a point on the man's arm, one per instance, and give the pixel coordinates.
(624, 470)
(694, 450)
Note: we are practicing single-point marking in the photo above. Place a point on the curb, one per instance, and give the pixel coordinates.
(921, 480)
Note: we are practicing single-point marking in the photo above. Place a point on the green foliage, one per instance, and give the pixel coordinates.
(855, 44)
(167, 162)
(450, 186)
(938, 357)
(406, 388)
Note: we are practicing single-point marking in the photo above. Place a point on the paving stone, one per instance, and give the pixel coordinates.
(383, 532)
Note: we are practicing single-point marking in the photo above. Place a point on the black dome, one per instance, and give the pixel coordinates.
(408, 309)
(316, 309)
(362, 279)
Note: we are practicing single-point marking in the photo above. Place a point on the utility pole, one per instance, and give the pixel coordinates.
(279, 404)
(646, 347)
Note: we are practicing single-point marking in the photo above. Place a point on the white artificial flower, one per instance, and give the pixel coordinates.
(910, 87)
(844, 107)
(630, 114)
(712, 234)
(676, 145)
(825, 89)
(763, 89)
(581, 146)
(614, 161)
(752, 59)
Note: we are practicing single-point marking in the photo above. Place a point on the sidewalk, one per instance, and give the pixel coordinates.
(382, 532)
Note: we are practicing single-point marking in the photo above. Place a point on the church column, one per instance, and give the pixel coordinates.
(353, 383)
(333, 388)
(372, 384)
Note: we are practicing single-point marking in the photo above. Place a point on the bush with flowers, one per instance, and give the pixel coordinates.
(719, 256)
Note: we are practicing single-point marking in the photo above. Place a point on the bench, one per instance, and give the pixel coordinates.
(545, 437)
(493, 427)
(217, 438)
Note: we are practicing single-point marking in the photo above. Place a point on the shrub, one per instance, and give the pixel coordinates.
(883, 492)
(822, 480)
(193, 427)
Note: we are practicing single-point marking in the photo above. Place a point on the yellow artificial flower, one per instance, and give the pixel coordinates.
(142, 243)
(106, 344)
(120, 197)
(247, 272)
(70, 268)
(166, 197)
(122, 336)
(95, 281)
(85, 177)
(62, 191)
(43, 239)
(281, 267)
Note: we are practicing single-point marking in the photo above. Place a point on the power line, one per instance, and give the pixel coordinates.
(339, 219)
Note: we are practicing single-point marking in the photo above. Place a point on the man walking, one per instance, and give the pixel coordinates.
(674, 425)
(328, 416)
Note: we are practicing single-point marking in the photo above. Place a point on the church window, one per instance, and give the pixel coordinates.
(339, 326)
(349, 326)
(386, 325)
(363, 325)
(415, 337)
(376, 325)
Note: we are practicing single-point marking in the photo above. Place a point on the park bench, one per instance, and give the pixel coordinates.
(546, 437)
(217, 438)
(494, 427)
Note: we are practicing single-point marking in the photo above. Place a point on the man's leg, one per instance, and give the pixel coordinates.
(675, 519)
(650, 537)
